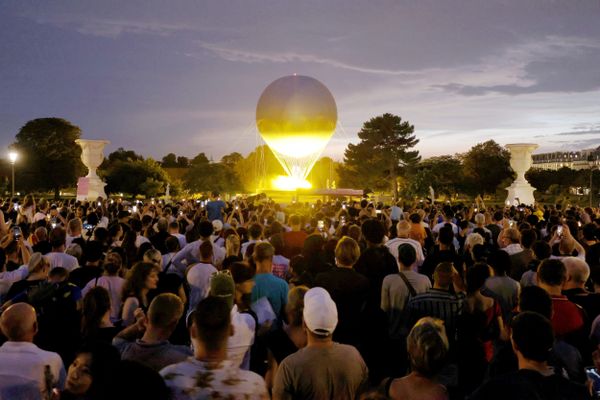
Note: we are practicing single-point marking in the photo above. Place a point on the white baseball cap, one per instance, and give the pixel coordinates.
(320, 312)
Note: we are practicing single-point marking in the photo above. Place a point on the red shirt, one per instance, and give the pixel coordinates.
(293, 242)
(567, 317)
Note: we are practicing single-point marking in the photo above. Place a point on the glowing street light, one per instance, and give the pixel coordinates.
(12, 156)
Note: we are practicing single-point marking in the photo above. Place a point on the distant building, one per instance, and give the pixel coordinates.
(576, 160)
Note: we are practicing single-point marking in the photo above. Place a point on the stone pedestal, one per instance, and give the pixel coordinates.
(520, 161)
(91, 186)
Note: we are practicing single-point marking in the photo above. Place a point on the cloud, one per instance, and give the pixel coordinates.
(251, 57)
(115, 27)
(554, 64)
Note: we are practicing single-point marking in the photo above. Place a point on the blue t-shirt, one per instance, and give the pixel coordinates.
(273, 288)
(213, 209)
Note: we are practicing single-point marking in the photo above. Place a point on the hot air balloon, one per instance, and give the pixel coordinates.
(296, 116)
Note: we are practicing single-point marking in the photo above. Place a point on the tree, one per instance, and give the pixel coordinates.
(183, 162)
(51, 159)
(382, 156)
(144, 177)
(124, 155)
(444, 174)
(485, 166)
(169, 161)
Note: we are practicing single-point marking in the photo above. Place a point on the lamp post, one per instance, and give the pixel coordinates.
(12, 156)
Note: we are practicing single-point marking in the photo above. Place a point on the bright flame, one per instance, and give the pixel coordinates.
(290, 183)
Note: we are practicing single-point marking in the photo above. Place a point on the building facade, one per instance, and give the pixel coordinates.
(583, 159)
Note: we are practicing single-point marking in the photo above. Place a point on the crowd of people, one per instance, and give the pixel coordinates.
(247, 298)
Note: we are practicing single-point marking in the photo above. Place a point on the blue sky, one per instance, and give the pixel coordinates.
(185, 76)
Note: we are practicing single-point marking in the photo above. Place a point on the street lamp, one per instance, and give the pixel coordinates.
(12, 156)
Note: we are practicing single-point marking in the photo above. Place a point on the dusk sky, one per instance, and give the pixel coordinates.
(185, 76)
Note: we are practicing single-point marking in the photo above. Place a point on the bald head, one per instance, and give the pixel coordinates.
(403, 229)
(19, 323)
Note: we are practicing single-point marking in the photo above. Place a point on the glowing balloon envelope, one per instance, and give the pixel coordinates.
(296, 116)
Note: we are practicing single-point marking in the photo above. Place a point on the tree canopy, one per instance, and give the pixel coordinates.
(486, 165)
(382, 156)
(124, 171)
(50, 158)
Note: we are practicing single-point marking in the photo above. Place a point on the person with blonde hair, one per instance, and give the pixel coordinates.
(428, 347)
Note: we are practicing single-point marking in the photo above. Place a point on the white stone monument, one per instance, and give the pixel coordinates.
(520, 161)
(91, 186)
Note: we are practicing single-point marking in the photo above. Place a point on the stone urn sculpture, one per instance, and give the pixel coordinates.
(91, 186)
(520, 191)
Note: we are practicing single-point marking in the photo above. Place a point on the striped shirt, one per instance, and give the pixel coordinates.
(437, 303)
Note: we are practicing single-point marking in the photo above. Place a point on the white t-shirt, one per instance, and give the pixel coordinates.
(181, 238)
(64, 260)
(199, 277)
(26, 360)
(114, 286)
(238, 345)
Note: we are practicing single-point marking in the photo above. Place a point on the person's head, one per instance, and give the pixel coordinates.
(141, 278)
(96, 304)
(164, 312)
(295, 305)
(347, 252)
(320, 313)
(541, 250)
(278, 244)
(57, 237)
(407, 255)
(232, 245)
(415, 218)
(38, 264)
(536, 299)
(294, 222)
(446, 236)
(217, 226)
(532, 337)
(528, 237)
(92, 372)
(94, 252)
(566, 246)
(255, 231)
(172, 244)
(552, 273)
(479, 219)
(442, 275)
(403, 229)
(58, 275)
(373, 231)
(19, 323)
(223, 286)
(509, 236)
(41, 233)
(353, 232)
(162, 224)
(205, 229)
(473, 239)
(153, 256)
(206, 251)
(211, 325)
(500, 262)
(476, 276)
(243, 277)
(75, 226)
(263, 253)
(174, 227)
(427, 346)
(578, 272)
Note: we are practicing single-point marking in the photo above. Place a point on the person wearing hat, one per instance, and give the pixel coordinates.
(322, 369)
(216, 237)
(244, 326)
